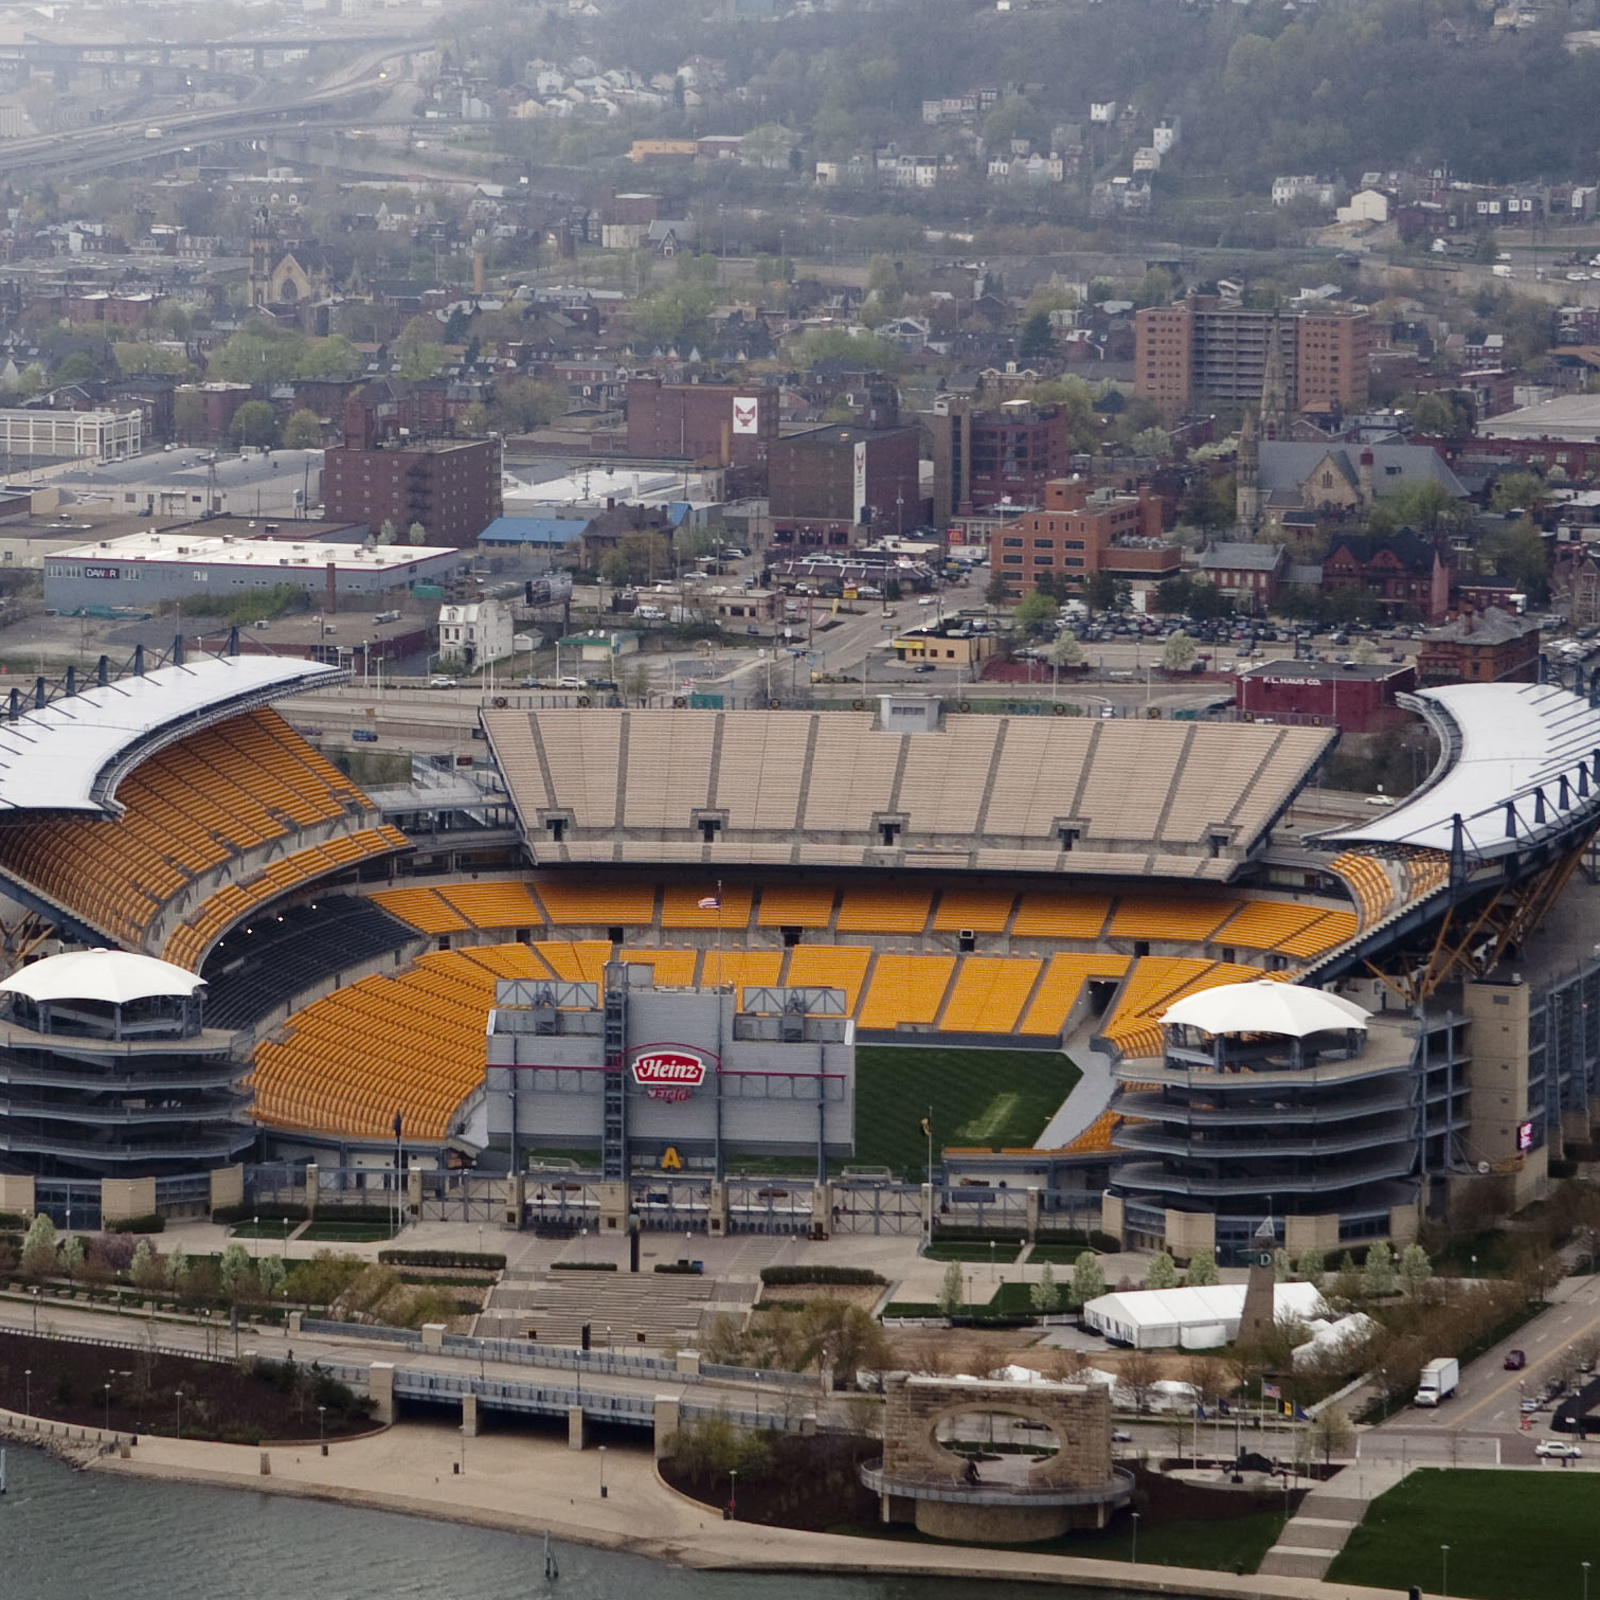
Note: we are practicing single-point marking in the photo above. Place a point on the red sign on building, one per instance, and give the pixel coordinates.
(669, 1072)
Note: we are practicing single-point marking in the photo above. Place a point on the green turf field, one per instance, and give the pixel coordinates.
(991, 1098)
(1512, 1535)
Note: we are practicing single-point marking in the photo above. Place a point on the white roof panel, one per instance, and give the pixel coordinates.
(1502, 742)
(114, 976)
(68, 755)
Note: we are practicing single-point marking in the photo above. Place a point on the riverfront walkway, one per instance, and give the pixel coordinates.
(530, 1485)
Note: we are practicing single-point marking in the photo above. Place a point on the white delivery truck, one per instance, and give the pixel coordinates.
(1438, 1381)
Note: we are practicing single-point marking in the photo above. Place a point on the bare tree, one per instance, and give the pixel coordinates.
(1139, 1372)
(1330, 1431)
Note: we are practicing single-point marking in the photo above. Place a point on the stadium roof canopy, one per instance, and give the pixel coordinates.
(1266, 1007)
(116, 977)
(1519, 762)
(1201, 1318)
(1082, 796)
(70, 754)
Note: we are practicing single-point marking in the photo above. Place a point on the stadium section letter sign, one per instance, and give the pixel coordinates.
(669, 1072)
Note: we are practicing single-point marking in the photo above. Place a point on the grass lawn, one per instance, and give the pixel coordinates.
(989, 1098)
(347, 1232)
(1512, 1535)
(269, 1228)
(1005, 1250)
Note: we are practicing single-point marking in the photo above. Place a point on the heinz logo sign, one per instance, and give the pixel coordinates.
(666, 1074)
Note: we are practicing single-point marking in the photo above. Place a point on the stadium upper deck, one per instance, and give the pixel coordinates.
(834, 789)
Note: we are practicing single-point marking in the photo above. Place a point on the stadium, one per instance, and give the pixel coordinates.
(668, 954)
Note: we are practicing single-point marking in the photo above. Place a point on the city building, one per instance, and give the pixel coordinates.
(951, 642)
(187, 483)
(1482, 647)
(1351, 696)
(1078, 533)
(71, 435)
(379, 474)
(140, 570)
(1249, 574)
(990, 458)
(710, 424)
(474, 635)
(838, 485)
(1202, 350)
(1405, 573)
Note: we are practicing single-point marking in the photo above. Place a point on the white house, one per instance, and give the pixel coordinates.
(476, 634)
(1366, 205)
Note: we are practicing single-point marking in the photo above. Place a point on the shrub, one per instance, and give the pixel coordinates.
(841, 1275)
(583, 1266)
(483, 1262)
(154, 1223)
(687, 1269)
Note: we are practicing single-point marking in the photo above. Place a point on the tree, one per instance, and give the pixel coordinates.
(39, 1257)
(72, 1254)
(1517, 491)
(1044, 1293)
(1377, 1273)
(1150, 442)
(1065, 651)
(1038, 337)
(1519, 555)
(271, 1275)
(1139, 1372)
(1034, 612)
(950, 1288)
(521, 405)
(178, 1269)
(1330, 1432)
(1282, 1267)
(416, 534)
(1163, 1274)
(996, 592)
(303, 431)
(147, 1270)
(232, 1269)
(1202, 1269)
(1415, 1269)
(188, 415)
(387, 531)
(1088, 1279)
(614, 568)
(254, 423)
(1178, 654)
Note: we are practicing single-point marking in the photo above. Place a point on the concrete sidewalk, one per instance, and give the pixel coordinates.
(531, 1485)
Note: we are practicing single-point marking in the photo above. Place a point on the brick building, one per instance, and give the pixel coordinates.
(832, 485)
(710, 424)
(1350, 696)
(1202, 350)
(984, 458)
(1250, 574)
(1078, 533)
(380, 473)
(1406, 573)
(1482, 647)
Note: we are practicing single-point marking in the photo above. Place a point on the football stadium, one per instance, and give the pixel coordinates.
(898, 967)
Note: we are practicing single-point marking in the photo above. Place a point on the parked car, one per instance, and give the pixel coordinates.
(443, 683)
(1559, 1449)
(1516, 1360)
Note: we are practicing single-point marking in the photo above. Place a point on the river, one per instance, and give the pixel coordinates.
(67, 1535)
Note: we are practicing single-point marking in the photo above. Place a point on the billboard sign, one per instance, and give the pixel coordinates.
(746, 414)
(1524, 1137)
(669, 1072)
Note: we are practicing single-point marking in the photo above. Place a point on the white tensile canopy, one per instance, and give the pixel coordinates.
(116, 977)
(1265, 1007)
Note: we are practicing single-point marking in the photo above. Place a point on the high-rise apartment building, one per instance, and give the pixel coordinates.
(1201, 350)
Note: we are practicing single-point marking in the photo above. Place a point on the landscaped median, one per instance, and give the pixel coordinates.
(1510, 1535)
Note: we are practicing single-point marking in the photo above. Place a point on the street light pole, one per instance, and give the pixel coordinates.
(733, 1493)
(602, 1472)
(178, 1395)
(1444, 1569)
(322, 1430)
(27, 1379)
(1135, 1561)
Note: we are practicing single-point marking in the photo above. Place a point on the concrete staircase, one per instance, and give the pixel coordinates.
(643, 1311)
(1316, 1533)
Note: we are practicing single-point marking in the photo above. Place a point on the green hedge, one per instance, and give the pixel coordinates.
(267, 1213)
(685, 1270)
(153, 1223)
(482, 1261)
(583, 1266)
(794, 1275)
(10, 1222)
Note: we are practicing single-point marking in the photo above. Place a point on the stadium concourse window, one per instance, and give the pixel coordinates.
(791, 937)
(557, 827)
(889, 831)
(614, 935)
(1070, 836)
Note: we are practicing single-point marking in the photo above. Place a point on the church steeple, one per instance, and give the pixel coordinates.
(260, 257)
(1247, 478)
(1274, 386)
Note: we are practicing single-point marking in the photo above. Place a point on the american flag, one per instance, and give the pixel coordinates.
(1271, 1391)
(711, 903)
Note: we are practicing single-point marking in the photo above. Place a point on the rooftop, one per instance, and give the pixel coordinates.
(114, 976)
(1315, 672)
(1493, 626)
(183, 547)
(1572, 417)
(70, 754)
(197, 467)
(1232, 553)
